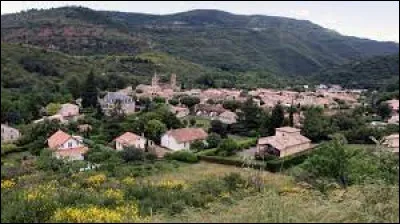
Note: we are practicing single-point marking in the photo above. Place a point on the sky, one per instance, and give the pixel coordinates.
(377, 20)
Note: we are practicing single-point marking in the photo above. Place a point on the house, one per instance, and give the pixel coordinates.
(287, 141)
(65, 146)
(392, 142)
(394, 119)
(181, 139)
(394, 104)
(130, 140)
(9, 134)
(209, 110)
(228, 117)
(69, 111)
(111, 99)
(179, 112)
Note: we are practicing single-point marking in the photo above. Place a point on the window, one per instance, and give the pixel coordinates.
(69, 144)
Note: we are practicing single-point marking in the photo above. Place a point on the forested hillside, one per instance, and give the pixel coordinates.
(208, 37)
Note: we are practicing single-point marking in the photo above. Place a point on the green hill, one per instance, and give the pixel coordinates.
(208, 37)
(370, 73)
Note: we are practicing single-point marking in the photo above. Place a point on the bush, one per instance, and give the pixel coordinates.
(214, 140)
(197, 145)
(183, 156)
(132, 155)
(208, 152)
(9, 148)
(228, 147)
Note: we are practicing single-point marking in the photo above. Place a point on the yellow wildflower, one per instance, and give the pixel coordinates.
(129, 181)
(7, 184)
(114, 194)
(172, 184)
(93, 214)
(96, 180)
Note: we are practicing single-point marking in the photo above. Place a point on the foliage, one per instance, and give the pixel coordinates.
(316, 126)
(197, 145)
(154, 129)
(384, 110)
(90, 92)
(213, 140)
(132, 155)
(53, 108)
(182, 156)
(228, 147)
(219, 128)
(190, 101)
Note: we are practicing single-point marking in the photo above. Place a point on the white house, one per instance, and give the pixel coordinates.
(130, 140)
(181, 139)
(9, 134)
(65, 146)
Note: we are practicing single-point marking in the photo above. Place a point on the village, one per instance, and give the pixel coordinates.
(220, 106)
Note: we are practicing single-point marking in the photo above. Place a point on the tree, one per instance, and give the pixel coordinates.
(132, 154)
(90, 92)
(218, 127)
(384, 110)
(231, 105)
(193, 122)
(250, 117)
(228, 147)
(278, 116)
(190, 101)
(330, 161)
(316, 127)
(292, 110)
(53, 108)
(213, 140)
(74, 86)
(159, 100)
(154, 129)
(173, 101)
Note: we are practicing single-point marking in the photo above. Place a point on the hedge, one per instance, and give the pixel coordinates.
(10, 148)
(183, 156)
(274, 165)
(208, 152)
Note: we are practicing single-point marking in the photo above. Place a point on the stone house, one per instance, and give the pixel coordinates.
(179, 112)
(209, 110)
(181, 139)
(9, 134)
(111, 99)
(285, 142)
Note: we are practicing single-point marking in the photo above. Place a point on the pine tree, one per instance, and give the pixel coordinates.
(90, 92)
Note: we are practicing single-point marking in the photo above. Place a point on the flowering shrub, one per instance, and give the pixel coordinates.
(7, 184)
(93, 214)
(173, 184)
(129, 181)
(115, 196)
(97, 180)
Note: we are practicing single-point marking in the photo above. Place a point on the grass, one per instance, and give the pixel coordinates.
(201, 122)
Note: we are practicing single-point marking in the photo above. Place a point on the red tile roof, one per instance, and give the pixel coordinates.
(188, 134)
(128, 138)
(58, 139)
(284, 142)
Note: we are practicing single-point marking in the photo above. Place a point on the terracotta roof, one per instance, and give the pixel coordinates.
(128, 138)
(71, 152)
(58, 139)
(288, 129)
(283, 142)
(187, 134)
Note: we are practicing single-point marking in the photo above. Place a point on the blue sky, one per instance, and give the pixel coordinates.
(373, 20)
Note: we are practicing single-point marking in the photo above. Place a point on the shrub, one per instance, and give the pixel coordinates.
(9, 148)
(214, 140)
(228, 147)
(132, 155)
(183, 156)
(197, 145)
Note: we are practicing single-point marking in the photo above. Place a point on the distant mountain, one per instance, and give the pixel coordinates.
(369, 73)
(216, 39)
